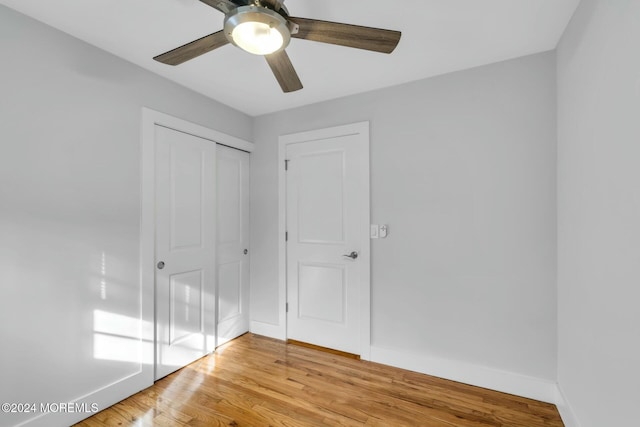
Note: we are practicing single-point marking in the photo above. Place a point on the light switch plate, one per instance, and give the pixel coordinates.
(374, 231)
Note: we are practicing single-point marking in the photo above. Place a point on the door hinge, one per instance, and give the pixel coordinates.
(286, 307)
(286, 236)
(286, 165)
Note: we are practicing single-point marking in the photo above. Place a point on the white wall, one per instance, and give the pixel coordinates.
(70, 208)
(463, 172)
(599, 214)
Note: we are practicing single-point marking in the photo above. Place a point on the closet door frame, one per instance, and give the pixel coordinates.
(151, 119)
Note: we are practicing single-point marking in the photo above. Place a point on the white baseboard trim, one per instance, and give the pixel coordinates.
(268, 330)
(507, 382)
(566, 412)
(86, 406)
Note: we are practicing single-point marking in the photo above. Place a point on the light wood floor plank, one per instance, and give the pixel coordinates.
(258, 381)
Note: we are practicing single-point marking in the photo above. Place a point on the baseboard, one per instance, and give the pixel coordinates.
(91, 403)
(566, 412)
(268, 330)
(507, 382)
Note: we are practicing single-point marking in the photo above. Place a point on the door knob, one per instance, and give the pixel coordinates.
(160, 265)
(352, 255)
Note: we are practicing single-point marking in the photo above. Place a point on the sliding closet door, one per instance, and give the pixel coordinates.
(233, 243)
(184, 248)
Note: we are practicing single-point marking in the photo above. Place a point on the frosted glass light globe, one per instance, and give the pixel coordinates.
(257, 38)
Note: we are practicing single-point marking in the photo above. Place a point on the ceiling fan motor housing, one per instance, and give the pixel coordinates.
(259, 17)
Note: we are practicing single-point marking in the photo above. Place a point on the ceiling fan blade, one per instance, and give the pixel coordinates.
(375, 39)
(283, 70)
(224, 6)
(194, 49)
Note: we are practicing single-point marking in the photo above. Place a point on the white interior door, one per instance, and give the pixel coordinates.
(185, 248)
(328, 239)
(233, 243)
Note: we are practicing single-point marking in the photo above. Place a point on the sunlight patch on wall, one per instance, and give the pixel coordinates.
(122, 338)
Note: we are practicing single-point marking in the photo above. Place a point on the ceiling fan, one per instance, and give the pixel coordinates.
(264, 27)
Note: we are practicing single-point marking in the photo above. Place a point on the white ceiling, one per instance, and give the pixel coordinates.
(438, 36)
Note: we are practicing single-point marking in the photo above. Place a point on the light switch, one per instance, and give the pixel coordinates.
(374, 231)
(383, 231)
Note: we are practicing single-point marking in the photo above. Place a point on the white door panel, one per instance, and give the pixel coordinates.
(233, 240)
(230, 290)
(327, 218)
(320, 202)
(322, 292)
(185, 243)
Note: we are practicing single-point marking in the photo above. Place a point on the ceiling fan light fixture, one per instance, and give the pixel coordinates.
(257, 30)
(257, 38)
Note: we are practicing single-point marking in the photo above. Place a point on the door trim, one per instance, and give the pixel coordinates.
(151, 118)
(280, 330)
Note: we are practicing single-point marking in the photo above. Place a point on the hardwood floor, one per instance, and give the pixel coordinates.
(258, 381)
